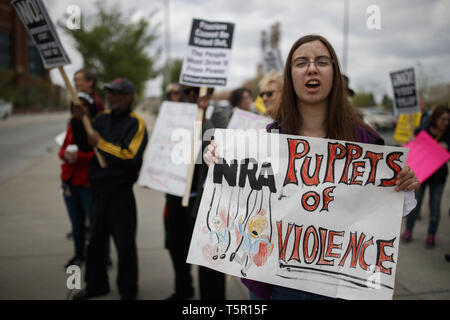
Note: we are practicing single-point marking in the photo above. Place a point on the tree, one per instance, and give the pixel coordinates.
(171, 73)
(115, 47)
(387, 102)
(363, 99)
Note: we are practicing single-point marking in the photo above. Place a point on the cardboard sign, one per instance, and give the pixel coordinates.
(312, 214)
(407, 123)
(168, 155)
(242, 119)
(405, 93)
(272, 60)
(42, 31)
(208, 54)
(426, 156)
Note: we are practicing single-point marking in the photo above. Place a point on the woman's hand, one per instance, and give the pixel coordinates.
(210, 155)
(407, 180)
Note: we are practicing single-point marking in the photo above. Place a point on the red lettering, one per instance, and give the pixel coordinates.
(333, 155)
(295, 254)
(323, 238)
(373, 160)
(310, 195)
(353, 248)
(391, 157)
(327, 198)
(332, 245)
(353, 152)
(283, 244)
(314, 180)
(293, 155)
(356, 173)
(310, 258)
(362, 262)
(382, 257)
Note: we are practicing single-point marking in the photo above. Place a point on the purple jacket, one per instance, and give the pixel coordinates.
(365, 135)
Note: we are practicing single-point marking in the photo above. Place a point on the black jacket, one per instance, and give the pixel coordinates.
(122, 144)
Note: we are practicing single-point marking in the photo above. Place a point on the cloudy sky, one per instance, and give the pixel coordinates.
(413, 33)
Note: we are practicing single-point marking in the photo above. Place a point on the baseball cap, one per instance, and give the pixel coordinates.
(121, 84)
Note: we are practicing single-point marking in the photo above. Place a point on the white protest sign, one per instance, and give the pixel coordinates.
(168, 155)
(405, 93)
(208, 54)
(272, 60)
(317, 215)
(242, 119)
(42, 31)
(59, 139)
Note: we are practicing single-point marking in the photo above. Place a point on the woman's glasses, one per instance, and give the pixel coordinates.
(320, 62)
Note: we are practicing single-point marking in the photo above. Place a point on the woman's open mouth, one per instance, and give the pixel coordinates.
(312, 86)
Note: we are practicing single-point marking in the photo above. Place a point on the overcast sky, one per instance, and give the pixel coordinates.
(414, 33)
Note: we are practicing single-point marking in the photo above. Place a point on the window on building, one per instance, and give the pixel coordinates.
(5, 51)
(36, 68)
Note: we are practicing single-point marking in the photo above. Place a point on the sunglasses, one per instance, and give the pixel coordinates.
(268, 93)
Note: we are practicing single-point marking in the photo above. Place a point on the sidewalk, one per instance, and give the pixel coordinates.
(34, 248)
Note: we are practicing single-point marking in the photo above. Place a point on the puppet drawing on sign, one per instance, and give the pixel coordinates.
(255, 246)
(222, 233)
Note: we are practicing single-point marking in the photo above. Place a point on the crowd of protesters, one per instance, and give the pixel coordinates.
(104, 194)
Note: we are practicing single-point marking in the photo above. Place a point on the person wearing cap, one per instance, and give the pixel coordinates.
(120, 136)
(77, 154)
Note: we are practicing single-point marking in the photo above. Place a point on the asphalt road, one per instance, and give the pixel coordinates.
(25, 138)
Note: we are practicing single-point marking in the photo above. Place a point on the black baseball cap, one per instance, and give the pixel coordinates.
(122, 85)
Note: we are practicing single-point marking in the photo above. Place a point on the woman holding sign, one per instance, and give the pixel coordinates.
(314, 104)
(438, 129)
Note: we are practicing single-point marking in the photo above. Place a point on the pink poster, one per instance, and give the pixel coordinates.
(425, 155)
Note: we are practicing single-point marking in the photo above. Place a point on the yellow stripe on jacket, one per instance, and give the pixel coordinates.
(133, 148)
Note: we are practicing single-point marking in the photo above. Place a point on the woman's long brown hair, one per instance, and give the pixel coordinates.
(342, 119)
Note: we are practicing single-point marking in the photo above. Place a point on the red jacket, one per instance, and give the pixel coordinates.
(79, 171)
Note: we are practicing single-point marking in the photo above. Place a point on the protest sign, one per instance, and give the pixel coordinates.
(208, 54)
(425, 155)
(406, 124)
(272, 60)
(405, 93)
(42, 31)
(168, 156)
(312, 214)
(242, 119)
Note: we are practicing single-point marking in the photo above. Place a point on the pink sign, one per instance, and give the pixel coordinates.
(425, 155)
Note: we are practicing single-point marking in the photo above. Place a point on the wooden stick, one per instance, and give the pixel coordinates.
(86, 122)
(194, 148)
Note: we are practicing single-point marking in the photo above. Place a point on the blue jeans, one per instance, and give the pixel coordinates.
(284, 293)
(436, 191)
(78, 203)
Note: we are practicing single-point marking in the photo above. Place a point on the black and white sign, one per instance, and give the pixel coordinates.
(42, 31)
(208, 54)
(272, 61)
(405, 93)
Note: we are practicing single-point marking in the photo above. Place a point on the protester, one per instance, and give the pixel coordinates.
(437, 127)
(120, 136)
(270, 91)
(314, 103)
(77, 155)
(241, 98)
(178, 219)
(74, 175)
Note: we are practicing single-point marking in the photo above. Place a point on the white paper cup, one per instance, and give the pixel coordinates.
(72, 148)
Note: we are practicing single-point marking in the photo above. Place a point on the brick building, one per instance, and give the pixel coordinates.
(23, 78)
